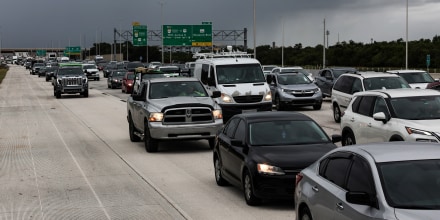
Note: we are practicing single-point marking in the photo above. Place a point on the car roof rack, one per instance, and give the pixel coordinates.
(223, 54)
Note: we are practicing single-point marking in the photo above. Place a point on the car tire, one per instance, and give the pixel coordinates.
(58, 95)
(86, 93)
(348, 138)
(336, 113)
(248, 189)
(317, 107)
(211, 142)
(151, 144)
(218, 172)
(305, 214)
(278, 104)
(131, 130)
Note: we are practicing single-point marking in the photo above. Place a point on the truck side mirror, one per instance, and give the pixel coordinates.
(216, 94)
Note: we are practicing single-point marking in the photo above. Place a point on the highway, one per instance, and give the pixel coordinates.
(71, 158)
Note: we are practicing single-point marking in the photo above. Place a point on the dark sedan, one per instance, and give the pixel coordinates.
(114, 80)
(262, 152)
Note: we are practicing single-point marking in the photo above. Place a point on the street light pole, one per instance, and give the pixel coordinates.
(406, 52)
(255, 38)
(161, 21)
(323, 49)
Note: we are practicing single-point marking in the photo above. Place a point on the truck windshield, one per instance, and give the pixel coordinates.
(239, 73)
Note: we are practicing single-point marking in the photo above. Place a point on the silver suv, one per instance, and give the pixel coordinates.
(348, 84)
(392, 115)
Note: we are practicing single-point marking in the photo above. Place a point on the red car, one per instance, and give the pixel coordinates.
(127, 82)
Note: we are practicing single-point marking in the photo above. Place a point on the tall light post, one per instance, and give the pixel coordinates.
(282, 48)
(323, 49)
(0, 43)
(161, 24)
(406, 52)
(255, 38)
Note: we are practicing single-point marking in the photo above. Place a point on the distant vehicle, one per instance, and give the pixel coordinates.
(417, 79)
(328, 76)
(268, 68)
(131, 66)
(127, 82)
(262, 152)
(293, 69)
(398, 180)
(154, 64)
(50, 72)
(293, 89)
(114, 80)
(36, 68)
(349, 84)
(70, 79)
(392, 115)
(91, 71)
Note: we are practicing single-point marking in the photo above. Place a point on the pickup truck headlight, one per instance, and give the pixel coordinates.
(268, 96)
(226, 98)
(155, 116)
(269, 170)
(217, 114)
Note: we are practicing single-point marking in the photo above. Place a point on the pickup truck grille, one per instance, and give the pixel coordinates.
(248, 99)
(72, 81)
(187, 115)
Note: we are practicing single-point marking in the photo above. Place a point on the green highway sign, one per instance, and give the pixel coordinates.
(140, 35)
(72, 51)
(187, 35)
(41, 53)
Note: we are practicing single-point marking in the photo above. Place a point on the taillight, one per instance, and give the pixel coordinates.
(298, 178)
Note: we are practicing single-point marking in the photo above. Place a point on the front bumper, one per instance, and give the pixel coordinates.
(187, 131)
(291, 100)
(274, 186)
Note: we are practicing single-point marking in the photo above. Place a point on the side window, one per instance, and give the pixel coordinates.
(336, 170)
(211, 78)
(356, 102)
(230, 127)
(240, 133)
(347, 84)
(366, 105)
(360, 178)
(204, 74)
(357, 86)
(381, 106)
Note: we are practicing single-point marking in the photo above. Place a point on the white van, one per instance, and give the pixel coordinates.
(240, 80)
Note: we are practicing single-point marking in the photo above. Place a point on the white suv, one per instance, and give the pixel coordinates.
(348, 84)
(392, 115)
(418, 79)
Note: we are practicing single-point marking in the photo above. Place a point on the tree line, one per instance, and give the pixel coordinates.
(361, 55)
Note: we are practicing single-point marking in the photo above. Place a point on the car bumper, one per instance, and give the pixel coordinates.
(190, 131)
(292, 100)
(274, 187)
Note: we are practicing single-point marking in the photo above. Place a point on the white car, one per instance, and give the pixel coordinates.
(392, 115)
(91, 71)
(417, 79)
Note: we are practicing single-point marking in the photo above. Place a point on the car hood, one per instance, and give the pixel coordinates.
(159, 104)
(292, 156)
(418, 85)
(308, 86)
(92, 70)
(406, 214)
(244, 89)
(427, 125)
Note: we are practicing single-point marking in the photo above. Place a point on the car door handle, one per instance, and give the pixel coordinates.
(369, 124)
(339, 206)
(352, 119)
(315, 188)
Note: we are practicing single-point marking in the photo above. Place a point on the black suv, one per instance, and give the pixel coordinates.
(328, 76)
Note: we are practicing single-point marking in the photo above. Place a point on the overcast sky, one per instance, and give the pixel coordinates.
(47, 23)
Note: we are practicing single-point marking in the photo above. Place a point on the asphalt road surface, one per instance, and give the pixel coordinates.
(71, 158)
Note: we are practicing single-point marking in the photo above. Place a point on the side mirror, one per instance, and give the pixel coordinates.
(361, 198)
(380, 116)
(216, 94)
(336, 138)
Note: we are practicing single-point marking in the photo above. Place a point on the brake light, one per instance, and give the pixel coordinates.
(298, 178)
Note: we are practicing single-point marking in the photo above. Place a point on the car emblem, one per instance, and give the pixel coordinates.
(188, 113)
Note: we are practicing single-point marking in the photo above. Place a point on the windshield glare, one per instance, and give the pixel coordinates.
(293, 79)
(417, 107)
(286, 133)
(411, 184)
(385, 82)
(240, 73)
(161, 90)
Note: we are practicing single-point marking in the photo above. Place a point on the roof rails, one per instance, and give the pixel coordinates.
(229, 54)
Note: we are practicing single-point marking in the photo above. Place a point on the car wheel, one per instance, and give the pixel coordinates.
(112, 86)
(305, 214)
(131, 130)
(86, 94)
(47, 80)
(218, 172)
(278, 104)
(317, 107)
(348, 138)
(151, 144)
(336, 113)
(211, 142)
(248, 187)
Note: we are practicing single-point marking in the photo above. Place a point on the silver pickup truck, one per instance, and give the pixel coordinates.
(172, 109)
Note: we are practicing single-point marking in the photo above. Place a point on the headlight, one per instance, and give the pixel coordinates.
(268, 96)
(317, 90)
(270, 170)
(115, 80)
(418, 131)
(84, 80)
(226, 98)
(155, 116)
(217, 114)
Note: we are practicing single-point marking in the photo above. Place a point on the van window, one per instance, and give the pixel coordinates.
(211, 78)
(204, 74)
(239, 73)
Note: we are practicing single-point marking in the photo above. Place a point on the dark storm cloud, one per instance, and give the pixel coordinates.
(46, 23)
